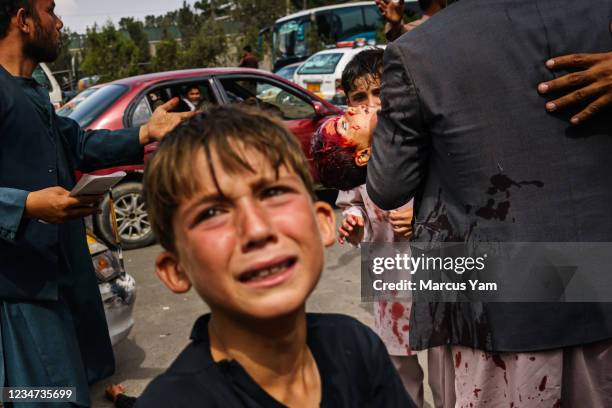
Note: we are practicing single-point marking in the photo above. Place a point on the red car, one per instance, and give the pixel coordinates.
(130, 102)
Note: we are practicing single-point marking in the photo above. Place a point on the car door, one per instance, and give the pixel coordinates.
(150, 98)
(295, 108)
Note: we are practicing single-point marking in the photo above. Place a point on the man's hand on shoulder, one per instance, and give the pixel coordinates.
(590, 85)
(55, 206)
(163, 122)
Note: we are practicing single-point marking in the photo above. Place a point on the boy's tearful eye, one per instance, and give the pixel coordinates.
(207, 214)
(275, 192)
(358, 98)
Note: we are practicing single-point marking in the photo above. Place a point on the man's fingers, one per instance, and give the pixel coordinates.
(85, 200)
(171, 104)
(80, 212)
(573, 61)
(185, 115)
(578, 96)
(592, 109)
(566, 81)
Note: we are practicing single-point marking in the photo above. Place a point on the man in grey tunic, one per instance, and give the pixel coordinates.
(53, 331)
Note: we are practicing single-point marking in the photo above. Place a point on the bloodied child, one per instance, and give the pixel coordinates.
(341, 150)
(232, 203)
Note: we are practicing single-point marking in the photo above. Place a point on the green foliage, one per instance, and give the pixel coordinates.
(188, 22)
(64, 60)
(166, 58)
(135, 29)
(258, 14)
(206, 49)
(110, 54)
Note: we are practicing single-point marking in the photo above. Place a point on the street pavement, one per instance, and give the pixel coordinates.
(163, 320)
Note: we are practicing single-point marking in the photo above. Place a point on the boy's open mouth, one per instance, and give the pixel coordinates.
(267, 271)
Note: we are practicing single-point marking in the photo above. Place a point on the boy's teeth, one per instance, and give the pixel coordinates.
(269, 271)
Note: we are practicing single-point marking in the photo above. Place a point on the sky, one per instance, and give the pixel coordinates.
(77, 15)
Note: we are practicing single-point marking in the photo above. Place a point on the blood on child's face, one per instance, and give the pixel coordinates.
(251, 247)
(366, 91)
(357, 126)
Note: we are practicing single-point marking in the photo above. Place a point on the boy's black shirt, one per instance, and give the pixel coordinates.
(355, 370)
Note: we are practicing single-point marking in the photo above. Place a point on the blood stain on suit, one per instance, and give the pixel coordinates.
(500, 183)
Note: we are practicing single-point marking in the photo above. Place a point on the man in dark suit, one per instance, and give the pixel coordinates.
(53, 331)
(463, 131)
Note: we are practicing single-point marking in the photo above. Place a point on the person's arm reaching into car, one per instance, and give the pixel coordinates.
(91, 149)
(590, 86)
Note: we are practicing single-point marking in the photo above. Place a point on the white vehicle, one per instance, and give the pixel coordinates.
(43, 75)
(334, 23)
(321, 73)
(117, 289)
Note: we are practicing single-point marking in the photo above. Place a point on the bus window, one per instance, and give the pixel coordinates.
(334, 23)
(350, 22)
(373, 18)
(327, 25)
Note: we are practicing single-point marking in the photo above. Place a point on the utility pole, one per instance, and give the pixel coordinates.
(305, 5)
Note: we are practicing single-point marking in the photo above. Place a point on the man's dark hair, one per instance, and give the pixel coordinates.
(248, 48)
(368, 64)
(8, 10)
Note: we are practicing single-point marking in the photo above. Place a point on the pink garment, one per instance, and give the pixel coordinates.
(376, 221)
(391, 319)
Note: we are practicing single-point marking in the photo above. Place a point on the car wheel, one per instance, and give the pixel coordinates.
(132, 219)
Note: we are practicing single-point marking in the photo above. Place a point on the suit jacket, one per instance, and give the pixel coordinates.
(464, 131)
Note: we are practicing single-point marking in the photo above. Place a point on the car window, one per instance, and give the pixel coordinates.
(40, 77)
(142, 113)
(74, 103)
(156, 97)
(268, 96)
(97, 103)
(287, 72)
(321, 64)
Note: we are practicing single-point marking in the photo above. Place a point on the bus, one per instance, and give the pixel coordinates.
(337, 23)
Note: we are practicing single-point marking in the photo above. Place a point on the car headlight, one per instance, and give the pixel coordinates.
(105, 266)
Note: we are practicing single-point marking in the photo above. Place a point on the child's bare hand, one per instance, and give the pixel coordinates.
(401, 222)
(351, 230)
(113, 391)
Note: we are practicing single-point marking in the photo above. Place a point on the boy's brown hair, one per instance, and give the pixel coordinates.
(229, 131)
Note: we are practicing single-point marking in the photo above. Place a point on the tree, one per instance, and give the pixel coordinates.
(137, 34)
(109, 53)
(257, 14)
(206, 49)
(166, 55)
(187, 22)
(64, 60)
